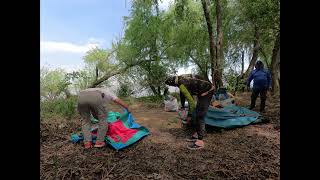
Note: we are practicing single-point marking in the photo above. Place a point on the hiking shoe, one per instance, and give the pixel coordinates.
(88, 145)
(196, 145)
(192, 138)
(99, 144)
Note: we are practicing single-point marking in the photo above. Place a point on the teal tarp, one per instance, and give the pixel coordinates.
(122, 130)
(231, 117)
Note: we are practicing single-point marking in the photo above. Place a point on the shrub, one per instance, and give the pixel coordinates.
(63, 107)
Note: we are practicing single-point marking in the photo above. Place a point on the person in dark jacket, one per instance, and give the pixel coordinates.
(204, 90)
(261, 83)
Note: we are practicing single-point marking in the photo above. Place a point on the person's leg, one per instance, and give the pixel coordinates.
(192, 122)
(103, 126)
(84, 111)
(193, 126)
(202, 108)
(263, 98)
(204, 103)
(254, 95)
(85, 122)
(99, 112)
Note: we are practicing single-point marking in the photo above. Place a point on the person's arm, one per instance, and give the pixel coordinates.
(206, 93)
(230, 95)
(121, 103)
(186, 93)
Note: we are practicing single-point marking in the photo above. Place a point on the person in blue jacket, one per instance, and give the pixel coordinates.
(261, 84)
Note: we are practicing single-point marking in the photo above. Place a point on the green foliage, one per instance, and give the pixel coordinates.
(231, 79)
(263, 13)
(125, 89)
(99, 58)
(143, 41)
(160, 42)
(58, 107)
(82, 79)
(52, 83)
(99, 62)
(188, 34)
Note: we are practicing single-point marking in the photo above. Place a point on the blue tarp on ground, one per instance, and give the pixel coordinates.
(122, 131)
(231, 116)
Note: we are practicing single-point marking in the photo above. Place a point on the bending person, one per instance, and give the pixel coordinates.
(204, 91)
(93, 101)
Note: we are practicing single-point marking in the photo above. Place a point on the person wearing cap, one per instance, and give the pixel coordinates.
(261, 84)
(93, 101)
(204, 91)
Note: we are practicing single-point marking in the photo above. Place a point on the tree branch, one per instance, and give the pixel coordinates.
(204, 72)
(165, 49)
(119, 71)
(265, 56)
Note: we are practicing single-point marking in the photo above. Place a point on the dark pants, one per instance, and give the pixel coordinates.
(263, 98)
(201, 110)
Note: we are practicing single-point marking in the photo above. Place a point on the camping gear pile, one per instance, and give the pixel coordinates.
(171, 104)
(222, 98)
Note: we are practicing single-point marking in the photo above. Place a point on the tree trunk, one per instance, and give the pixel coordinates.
(242, 69)
(97, 72)
(203, 70)
(154, 90)
(159, 91)
(157, 6)
(242, 62)
(119, 71)
(219, 54)
(106, 77)
(279, 70)
(212, 48)
(255, 53)
(275, 63)
(67, 93)
(266, 59)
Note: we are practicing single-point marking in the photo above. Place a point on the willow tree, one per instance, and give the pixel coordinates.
(187, 35)
(257, 25)
(215, 47)
(143, 41)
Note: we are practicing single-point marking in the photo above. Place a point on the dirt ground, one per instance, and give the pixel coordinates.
(251, 152)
